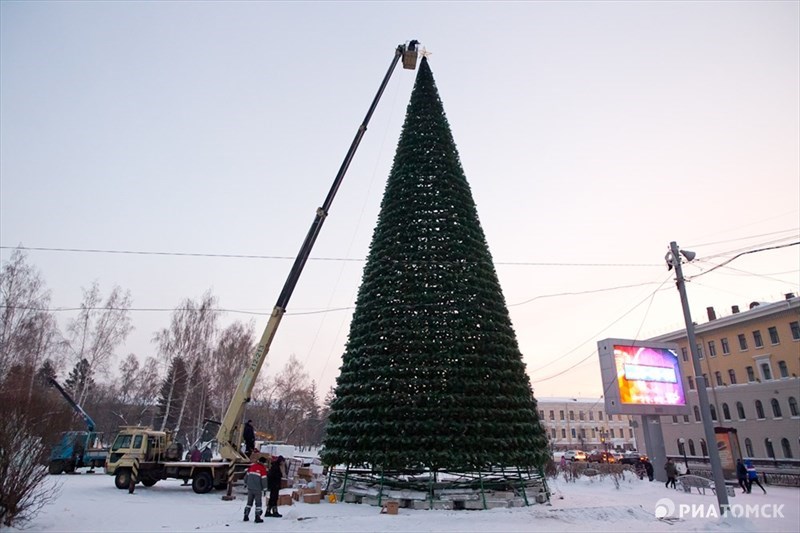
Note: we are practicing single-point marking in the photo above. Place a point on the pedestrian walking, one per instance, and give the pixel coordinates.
(672, 473)
(741, 476)
(752, 476)
(648, 467)
(274, 484)
(256, 482)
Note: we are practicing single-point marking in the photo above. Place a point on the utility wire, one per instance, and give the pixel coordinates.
(626, 313)
(740, 255)
(292, 258)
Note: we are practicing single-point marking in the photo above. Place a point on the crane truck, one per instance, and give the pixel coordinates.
(143, 455)
(76, 449)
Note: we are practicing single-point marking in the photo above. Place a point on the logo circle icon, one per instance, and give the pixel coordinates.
(664, 508)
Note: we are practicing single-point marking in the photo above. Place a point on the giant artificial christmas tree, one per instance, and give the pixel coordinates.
(432, 376)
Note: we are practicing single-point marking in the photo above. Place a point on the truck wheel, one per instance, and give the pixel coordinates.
(202, 483)
(149, 482)
(123, 478)
(69, 467)
(56, 467)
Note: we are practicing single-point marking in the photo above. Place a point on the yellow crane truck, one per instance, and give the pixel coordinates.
(143, 455)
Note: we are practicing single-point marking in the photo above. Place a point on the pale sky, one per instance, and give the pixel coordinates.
(592, 135)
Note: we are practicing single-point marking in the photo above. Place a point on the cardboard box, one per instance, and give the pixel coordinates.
(390, 507)
(296, 495)
(312, 497)
(285, 499)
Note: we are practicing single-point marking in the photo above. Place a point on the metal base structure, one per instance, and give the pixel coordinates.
(438, 486)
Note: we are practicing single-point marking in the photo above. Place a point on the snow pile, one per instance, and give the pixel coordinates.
(90, 502)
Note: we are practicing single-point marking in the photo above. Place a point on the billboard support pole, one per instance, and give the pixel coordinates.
(654, 444)
(674, 261)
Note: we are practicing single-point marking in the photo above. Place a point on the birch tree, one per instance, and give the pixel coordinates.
(98, 330)
(190, 336)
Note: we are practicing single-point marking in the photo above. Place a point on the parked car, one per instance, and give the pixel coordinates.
(575, 455)
(598, 456)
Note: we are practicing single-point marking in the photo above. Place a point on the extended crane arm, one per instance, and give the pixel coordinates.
(229, 435)
(88, 419)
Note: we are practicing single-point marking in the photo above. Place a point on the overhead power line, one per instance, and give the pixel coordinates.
(292, 258)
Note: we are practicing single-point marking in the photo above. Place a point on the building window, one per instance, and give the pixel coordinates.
(712, 349)
(792, 406)
(740, 410)
(742, 342)
(691, 447)
(699, 351)
(718, 377)
(552, 415)
(773, 335)
(770, 449)
(573, 433)
(776, 408)
(612, 434)
(681, 447)
(732, 376)
(748, 447)
(572, 415)
(766, 372)
(685, 354)
(705, 380)
(553, 432)
(561, 415)
(703, 447)
(759, 410)
(787, 448)
(713, 413)
(726, 412)
(580, 416)
(591, 415)
(630, 433)
(563, 433)
(751, 375)
(541, 414)
(757, 340)
(674, 419)
(795, 327)
(685, 419)
(696, 414)
(600, 415)
(594, 433)
(583, 433)
(726, 349)
(783, 369)
(690, 379)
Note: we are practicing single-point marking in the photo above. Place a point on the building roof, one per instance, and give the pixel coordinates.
(757, 310)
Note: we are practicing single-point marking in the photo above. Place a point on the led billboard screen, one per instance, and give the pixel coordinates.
(641, 378)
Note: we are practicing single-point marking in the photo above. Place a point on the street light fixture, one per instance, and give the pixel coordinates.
(673, 259)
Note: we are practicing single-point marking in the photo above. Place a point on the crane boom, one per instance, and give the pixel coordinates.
(229, 435)
(88, 419)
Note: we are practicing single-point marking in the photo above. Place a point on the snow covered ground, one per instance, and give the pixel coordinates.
(90, 502)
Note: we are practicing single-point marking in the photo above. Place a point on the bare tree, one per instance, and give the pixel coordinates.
(234, 347)
(29, 333)
(287, 399)
(190, 336)
(99, 329)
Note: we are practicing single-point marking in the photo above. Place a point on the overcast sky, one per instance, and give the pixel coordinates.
(592, 135)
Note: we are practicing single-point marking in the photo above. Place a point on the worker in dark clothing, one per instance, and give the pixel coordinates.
(274, 485)
(741, 475)
(249, 438)
(648, 467)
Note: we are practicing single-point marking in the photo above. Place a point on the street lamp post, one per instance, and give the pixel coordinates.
(673, 258)
(683, 450)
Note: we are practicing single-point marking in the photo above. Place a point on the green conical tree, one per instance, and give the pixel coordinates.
(432, 374)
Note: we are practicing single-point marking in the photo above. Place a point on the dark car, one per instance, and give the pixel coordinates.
(598, 456)
(632, 459)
